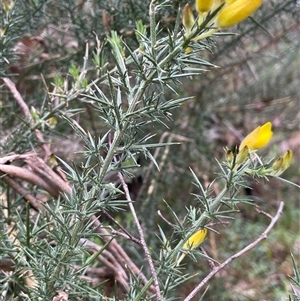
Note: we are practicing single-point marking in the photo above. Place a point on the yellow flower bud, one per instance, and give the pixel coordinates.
(259, 137)
(188, 19)
(195, 240)
(242, 155)
(287, 159)
(204, 6)
(52, 122)
(282, 163)
(188, 50)
(229, 156)
(7, 5)
(237, 11)
(277, 163)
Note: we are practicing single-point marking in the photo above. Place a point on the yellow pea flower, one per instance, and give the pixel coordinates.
(259, 137)
(217, 3)
(237, 11)
(228, 2)
(204, 6)
(195, 240)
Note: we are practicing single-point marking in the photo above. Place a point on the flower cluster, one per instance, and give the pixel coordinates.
(257, 139)
(230, 12)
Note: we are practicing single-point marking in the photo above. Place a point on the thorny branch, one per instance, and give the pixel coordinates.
(114, 258)
(34, 170)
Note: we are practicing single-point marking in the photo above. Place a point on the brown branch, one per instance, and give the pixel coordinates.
(40, 174)
(117, 270)
(44, 146)
(35, 203)
(27, 175)
(119, 252)
(39, 166)
(126, 233)
(14, 157)
(173, 226)
(263, 212)
(238, 254)
(16, 94)
(142, 238)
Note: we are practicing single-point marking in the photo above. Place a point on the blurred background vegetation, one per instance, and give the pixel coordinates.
(256, 79)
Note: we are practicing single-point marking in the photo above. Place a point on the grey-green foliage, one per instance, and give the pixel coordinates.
(295, 281)
(126, 98)
(126, 80)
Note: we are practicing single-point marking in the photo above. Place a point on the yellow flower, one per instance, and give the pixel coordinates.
(217, 4)
(259, 137)
(195, 240)
(236, 11)
(204, 6)
(188, 19)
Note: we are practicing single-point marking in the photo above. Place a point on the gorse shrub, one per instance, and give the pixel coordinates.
(81, 234)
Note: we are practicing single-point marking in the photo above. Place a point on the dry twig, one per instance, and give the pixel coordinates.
(26, 111)
(142, 239)
(237, 255)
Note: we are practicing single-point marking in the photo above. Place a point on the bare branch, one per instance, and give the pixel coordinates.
(119, 252)
(45, 172)
(16, 94)
(34, 202)
(109, 261)
(238, 254)
(14, 157)
(263, 212)
(142, 238)
(126, 233)
(26, 111)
